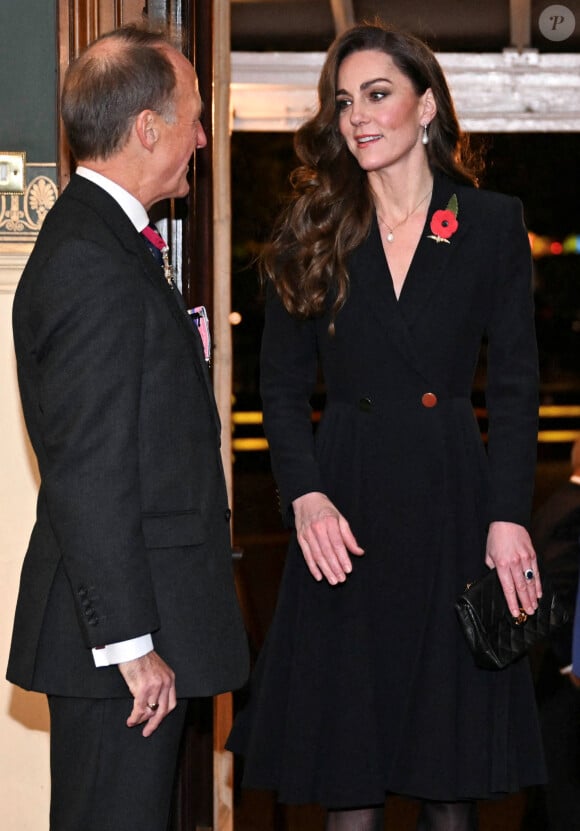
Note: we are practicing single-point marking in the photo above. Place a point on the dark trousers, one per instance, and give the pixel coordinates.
(106, 776)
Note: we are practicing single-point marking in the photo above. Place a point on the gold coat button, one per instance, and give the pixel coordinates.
(429, 399)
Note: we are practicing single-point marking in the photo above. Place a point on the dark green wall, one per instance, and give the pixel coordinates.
(28, 71)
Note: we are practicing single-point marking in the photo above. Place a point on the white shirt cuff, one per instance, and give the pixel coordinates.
(117, 653)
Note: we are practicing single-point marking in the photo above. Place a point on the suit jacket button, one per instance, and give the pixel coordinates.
(429, 399)
(228, 514)
(365, 404)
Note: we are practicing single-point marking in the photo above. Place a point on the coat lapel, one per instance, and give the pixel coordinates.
(370, 263)
(369, 273)
(430, 266)
(431, 262)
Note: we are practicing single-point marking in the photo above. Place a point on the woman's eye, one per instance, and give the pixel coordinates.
(342, 103)
(377, 95)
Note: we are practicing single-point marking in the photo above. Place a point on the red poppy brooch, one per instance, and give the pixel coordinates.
(444, 223)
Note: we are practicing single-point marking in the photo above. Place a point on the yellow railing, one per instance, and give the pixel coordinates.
(548, 412)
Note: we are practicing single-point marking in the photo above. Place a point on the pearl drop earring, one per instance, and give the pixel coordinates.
(425, 137)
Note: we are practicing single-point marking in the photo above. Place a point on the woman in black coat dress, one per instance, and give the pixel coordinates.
(387, 271)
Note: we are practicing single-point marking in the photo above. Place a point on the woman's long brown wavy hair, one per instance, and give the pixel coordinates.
(330, 209)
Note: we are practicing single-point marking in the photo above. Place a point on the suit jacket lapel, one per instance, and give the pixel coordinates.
(111, 214)
(178, 309)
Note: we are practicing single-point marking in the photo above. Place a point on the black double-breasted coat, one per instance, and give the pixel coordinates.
(132, 528)
(368, 687)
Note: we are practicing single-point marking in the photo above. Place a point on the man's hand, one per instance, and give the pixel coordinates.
(152, 685)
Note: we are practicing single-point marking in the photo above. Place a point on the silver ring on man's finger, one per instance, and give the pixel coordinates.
(529, 574)
(154, 707)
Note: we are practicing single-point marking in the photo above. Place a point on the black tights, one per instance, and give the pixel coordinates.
(447, 816)
(434, 816)
(356, 819)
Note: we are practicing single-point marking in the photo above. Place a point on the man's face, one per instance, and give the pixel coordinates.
(182, 135)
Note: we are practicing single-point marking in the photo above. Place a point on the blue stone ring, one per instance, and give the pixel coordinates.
(529, 574)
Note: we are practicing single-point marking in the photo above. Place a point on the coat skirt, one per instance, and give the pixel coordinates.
(368, 687)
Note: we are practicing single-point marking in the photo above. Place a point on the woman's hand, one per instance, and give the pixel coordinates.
(325, 538)
(510, 551)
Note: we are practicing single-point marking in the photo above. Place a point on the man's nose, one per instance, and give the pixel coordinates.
(201, 138)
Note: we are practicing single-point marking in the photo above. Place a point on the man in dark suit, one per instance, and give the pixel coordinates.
(127, 604)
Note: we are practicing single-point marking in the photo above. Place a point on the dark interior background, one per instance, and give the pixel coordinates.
(542, 169)
(449, 26)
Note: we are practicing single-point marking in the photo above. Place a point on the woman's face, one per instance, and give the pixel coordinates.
(380, 115)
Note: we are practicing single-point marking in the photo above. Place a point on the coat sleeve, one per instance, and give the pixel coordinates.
(288, 370)
(512, 387)
(86, 329)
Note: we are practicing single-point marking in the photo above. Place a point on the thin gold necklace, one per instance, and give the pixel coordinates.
(390, 229)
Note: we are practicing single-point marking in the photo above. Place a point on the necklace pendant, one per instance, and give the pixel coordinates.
(390, 236)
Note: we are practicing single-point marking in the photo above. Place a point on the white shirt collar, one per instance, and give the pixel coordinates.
(126, 201)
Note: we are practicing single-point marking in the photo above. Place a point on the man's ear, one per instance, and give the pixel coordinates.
(146, 129)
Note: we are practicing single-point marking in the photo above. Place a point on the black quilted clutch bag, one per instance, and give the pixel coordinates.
(495, 638)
